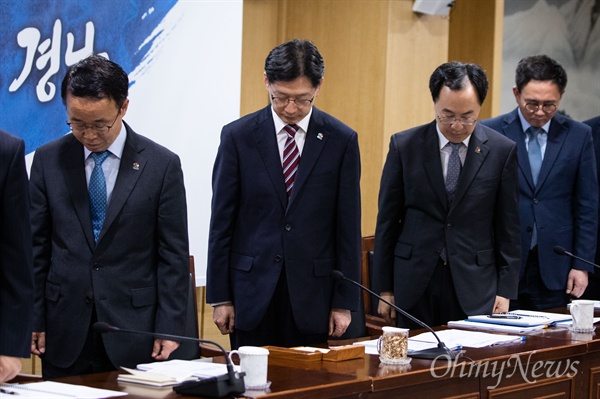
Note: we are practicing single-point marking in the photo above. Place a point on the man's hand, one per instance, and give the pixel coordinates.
(385, 310)
(339, 320)
(224, 318)
(9, 367)
(501, 304)
(162, 348)
(577, 282)
(38, 343)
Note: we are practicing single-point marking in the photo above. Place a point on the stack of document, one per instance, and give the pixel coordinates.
(517, 321)
(172, 372)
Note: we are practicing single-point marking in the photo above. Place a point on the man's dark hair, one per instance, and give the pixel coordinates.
(455, 75)
(294, 59)
(96, 77)
(540, 67)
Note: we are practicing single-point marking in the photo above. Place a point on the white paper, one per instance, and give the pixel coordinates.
(52, 390)
(184, 369)
(494, 327)
(471, 339)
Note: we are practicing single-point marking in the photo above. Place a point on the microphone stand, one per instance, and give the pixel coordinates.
(441, 350)
(230, 384)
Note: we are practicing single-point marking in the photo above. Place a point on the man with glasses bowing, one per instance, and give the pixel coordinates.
(285, 213)
(110, 240)
(447, 233)
(558, 202)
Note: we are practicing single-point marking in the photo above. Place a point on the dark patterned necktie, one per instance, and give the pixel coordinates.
(291, 158)
(454, 168)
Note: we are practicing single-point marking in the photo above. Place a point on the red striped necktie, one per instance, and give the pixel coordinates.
(291, 157)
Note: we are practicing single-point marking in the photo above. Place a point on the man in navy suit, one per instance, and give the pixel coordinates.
(558, 186)
(16, 275)
(593, 289)
(118, 253)
(285, 213)
(446, 240)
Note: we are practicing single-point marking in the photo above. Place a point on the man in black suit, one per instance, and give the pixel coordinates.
(447, 234)
(593, 289)
(118, 253)
(16, 276)
(285, 213)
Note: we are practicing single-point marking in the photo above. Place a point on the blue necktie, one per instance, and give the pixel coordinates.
(535, 162)
(535, 153)
(97, 190)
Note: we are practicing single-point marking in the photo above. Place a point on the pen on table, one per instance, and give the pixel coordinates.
(503, 316)
(8, 392)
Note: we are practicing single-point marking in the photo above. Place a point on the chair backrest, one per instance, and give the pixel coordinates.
(373, 322)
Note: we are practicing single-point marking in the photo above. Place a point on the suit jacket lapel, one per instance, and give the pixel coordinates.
(266, 141)
(556, 138)
(476, 155)
(126, 179)
(433, 165)
(71, 157)
(316, 139)
(513, 130)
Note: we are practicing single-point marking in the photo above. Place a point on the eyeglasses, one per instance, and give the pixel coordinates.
(547, 108)
(451, 120)
(284, 101)
(78, 127)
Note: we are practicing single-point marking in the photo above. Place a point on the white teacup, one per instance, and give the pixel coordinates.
(254, 362)
(582, 311)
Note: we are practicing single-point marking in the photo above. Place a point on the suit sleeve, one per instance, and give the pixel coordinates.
(389, 218)
(224, 209)
(16, 276)
(348, 227)
(173, 252)
(585, 219)
(506, 230)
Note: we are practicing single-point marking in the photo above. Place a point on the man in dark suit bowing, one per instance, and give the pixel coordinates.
(109, 233)
(285, 213)
(558, 187)
(16, 275)
(447, 233)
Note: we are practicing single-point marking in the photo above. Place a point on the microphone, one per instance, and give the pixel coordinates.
(230, 384)
(561, 251)
(432, 353)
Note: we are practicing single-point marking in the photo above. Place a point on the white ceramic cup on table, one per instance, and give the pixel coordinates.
(254, 361)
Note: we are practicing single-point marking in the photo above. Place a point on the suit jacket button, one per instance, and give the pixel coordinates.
(88, 299)
(96, 266)
(529, 229)
(278, 258)
(288, 227)
(535, 201)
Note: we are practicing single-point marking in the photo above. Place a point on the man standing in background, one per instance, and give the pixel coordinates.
(16, 276)
(593, 289)
(447, 233)
(558, 187)
(285, 213)
(110, 239)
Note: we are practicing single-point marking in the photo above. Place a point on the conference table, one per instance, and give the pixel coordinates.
(552, 362)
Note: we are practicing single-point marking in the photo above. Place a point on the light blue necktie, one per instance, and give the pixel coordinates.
(535, 162)
(535, 152)
(97, 191)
